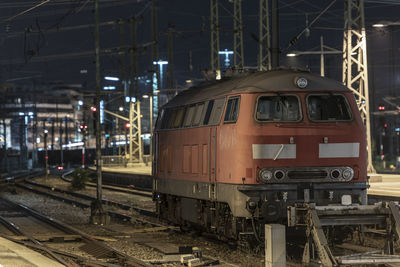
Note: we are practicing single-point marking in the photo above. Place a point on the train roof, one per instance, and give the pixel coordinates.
(265, 81)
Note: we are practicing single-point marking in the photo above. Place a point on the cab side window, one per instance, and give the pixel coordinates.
(165, 118)
(176, 117)
(160, 119)
(232, 110)
(189, 116)
(197, 114)
(214, 111)
(208, 112)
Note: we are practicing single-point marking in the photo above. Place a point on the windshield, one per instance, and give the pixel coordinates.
(278, 108)
(328, 107)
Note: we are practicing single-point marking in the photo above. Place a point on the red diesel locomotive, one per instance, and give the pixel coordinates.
(232, 154)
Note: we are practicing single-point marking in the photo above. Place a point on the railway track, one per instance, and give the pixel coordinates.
(30, 228)
(19, 177)
(161, 246)
(84, 201)
(373, 198)
(125, 207)
(139, 191)
(80, 199)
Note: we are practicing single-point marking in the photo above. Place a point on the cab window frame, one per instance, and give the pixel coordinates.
(199, 114)
(180, 113)
(347, 104)
(237, 107)
(165, 119)
(189, 116)
(300, 107)
(159, 120)
(216, 112)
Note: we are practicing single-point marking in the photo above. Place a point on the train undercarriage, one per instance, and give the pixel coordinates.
(213, 217)
(318, 227)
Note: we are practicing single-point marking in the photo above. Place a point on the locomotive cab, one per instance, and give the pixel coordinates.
(307, 147)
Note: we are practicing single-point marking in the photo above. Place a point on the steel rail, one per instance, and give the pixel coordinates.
(380, 198)
(104, 201)
(146, 192)
(17, 230)
(73, 202)
(78, 258)
(136, 191)
(10, 179)
(125, 259)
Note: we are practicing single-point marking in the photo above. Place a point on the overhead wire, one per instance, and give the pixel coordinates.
(294, 5)
(26, 11)
(296, 38)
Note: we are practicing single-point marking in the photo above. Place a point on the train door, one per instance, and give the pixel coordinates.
(212, 163)
(213, 118)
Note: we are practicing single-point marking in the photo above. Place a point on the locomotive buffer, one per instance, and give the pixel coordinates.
(317, 250)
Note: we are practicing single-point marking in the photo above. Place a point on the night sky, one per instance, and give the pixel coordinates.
(36, 45)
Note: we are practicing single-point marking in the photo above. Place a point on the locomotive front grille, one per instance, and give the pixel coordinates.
(303, 174)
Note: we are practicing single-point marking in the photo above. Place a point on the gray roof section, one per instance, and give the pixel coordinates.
(258, 82)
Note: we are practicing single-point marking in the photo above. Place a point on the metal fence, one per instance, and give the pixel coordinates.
(122, 160)
(116, 160)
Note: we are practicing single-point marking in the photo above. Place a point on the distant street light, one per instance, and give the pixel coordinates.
(226, 53)
(378, 25)
(382, 24)
(161, 63)
(109, 78)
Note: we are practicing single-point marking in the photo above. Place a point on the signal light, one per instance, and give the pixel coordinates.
(128, 125)
(94, 109)
(385, 125)
(381, 108)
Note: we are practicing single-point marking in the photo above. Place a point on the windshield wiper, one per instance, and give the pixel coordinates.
(279, 152)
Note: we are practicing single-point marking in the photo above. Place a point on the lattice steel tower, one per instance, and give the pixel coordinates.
(355, 69)
(214, 25)
(264, 42)
(238, 55)
(170, 73)
(154, 55)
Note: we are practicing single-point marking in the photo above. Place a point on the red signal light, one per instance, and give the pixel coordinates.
(94, 109)
(385, 125)
(128, 125)
(381, 107)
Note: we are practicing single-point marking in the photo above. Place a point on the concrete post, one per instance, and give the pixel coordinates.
(275, 245)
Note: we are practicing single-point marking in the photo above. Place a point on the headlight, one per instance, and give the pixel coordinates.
(279, 174)
(348, 173)
(265, 175)
(335, 173)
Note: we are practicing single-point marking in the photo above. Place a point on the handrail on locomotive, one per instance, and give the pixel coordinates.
(313, 218)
